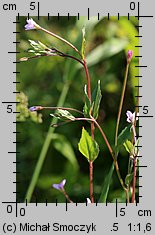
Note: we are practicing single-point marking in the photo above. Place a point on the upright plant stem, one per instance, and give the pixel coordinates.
(44, 149)
(115, 160)
(111, 152)
(91, 180)
(121, 103)
(134, 180)
(134, 167)
(92, 131)
(118, 121)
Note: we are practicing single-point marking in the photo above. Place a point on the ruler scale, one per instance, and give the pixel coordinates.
(56, 218)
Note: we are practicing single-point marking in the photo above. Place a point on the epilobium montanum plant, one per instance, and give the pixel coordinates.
(87, 145)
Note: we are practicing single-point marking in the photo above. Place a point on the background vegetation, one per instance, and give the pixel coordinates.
(47, 81)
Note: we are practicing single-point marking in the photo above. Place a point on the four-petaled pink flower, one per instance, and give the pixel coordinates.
(31, 24)
(130, 117)
(60, 186)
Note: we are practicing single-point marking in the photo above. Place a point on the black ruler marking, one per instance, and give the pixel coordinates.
(66, 205)
(78, 16)
(38, 10)
(138, 10)
(116, 208)
(16, 209)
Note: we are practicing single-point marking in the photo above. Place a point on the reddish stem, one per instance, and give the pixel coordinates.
(134, 168)
(134, 180)
(91, 181)
(67, 197)
(92, 131)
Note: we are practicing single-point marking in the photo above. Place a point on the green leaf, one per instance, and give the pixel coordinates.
(106, 50)
(41, 49)
(63, 115)
(129, 147)
(128, 179)
(87, 107)
(106, 185)
(38, 46)
(96, 98)
(62, 145)
(83, 43)
(124, 135)
(88, 147)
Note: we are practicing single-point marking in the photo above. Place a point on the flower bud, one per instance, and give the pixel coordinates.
(35, 108)
(129, 56)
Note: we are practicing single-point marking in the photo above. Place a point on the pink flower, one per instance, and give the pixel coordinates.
(131, 117)
(60, 186)
(31, 24)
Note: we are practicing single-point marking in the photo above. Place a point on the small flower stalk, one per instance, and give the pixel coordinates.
(88, 146)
